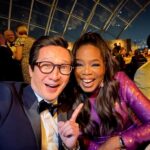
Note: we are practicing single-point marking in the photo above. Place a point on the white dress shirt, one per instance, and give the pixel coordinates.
(49, 129)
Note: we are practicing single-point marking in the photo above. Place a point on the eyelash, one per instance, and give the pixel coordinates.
(80, 65)
(95, 65)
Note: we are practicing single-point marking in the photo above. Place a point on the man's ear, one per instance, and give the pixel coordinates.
(30, 71)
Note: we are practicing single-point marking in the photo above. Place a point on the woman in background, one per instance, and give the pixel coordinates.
(23, 46)
(116, 115)
(25, 58)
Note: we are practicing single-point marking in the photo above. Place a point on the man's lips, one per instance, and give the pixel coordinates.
(52, 86)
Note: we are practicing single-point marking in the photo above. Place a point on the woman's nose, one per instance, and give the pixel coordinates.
(87, 70)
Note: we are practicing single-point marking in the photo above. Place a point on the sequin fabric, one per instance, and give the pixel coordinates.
(134, 106)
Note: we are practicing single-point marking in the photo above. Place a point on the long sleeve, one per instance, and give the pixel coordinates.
(139, 105)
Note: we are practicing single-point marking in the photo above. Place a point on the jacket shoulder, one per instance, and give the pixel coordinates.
(8, 91)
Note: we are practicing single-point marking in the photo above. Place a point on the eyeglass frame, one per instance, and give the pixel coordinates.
(54, 65)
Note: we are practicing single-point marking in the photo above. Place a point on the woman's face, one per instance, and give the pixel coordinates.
(90, 68)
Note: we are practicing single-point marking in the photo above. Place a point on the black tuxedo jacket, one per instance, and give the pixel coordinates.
(19, 118)
(5, 64)
(10, 68)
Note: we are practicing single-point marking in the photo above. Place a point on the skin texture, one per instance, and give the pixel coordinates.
(9, 35)
(90, 68)
(114, 107)
(49, 86)
(89, 73)
(69, 130)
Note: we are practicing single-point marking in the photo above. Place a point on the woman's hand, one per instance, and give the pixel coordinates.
(112, 143)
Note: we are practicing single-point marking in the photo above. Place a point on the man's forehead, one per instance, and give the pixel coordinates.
(9, 32)
(54, 49)
(54, 52)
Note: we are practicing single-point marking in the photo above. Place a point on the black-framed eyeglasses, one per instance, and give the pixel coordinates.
(47, 67)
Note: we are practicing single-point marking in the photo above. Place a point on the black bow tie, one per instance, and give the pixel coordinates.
(11, 44)
(51, 107)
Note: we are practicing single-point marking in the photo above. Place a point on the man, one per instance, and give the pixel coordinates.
(25, 124)
(16, 70)
(5, 60)
(120, 58)
(10, 40)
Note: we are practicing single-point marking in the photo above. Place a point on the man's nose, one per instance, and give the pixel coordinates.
(55, 74)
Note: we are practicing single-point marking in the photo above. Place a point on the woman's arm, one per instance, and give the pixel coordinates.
(140, 106)
(18, 54)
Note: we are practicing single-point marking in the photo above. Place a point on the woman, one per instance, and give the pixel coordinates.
(22, 34)
(25, 58)
(116, 115)
(23, 46)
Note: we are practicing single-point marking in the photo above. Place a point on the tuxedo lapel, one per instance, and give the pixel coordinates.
(30, 107)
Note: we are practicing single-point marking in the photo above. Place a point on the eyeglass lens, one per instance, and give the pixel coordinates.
(48, 67)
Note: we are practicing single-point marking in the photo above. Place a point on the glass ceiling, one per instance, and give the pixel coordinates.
(71, 18)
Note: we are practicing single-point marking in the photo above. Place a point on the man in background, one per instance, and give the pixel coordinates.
(10, 38)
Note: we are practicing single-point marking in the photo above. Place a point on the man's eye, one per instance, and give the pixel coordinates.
(46, 65)
(64, 66)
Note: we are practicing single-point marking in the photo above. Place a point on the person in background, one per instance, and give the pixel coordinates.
(10, 38)
(23, 45)
(11, 44)
(115, 115)
(137, 61)
(142, 74)
(33, 116)
(6, 61)
(120, 58)
(142, 78)
(116, 49)
(2, 40)
(22, 34)
(10, 69)
(25, 58)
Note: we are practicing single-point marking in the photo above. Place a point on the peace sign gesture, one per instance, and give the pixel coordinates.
(69, 130)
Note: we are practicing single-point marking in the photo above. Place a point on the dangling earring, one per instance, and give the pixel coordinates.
(102, 84)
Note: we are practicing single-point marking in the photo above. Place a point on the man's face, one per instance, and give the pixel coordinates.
(9, 36)
(49, 86)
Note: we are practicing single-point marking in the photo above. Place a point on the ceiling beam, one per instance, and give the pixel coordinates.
(136, 15)
(67, 22)
(113, 15)
(50, 17)
(87, 23)
(30, 14)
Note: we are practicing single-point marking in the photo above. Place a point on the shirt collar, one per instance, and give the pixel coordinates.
(39, 98)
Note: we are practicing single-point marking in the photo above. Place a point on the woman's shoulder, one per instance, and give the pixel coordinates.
(120, 75)
(123, 79)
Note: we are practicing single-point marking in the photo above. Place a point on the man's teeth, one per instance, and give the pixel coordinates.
(52, 85)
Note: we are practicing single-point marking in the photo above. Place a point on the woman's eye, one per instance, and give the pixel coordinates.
(95, 65)
(78, 65)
